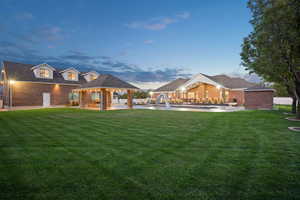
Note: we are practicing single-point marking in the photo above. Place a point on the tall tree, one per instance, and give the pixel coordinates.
(272, 49)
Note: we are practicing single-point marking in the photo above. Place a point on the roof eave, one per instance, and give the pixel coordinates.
(100, 87)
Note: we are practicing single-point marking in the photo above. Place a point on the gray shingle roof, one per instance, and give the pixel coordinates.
(231, 82)
(172, 86)
(108, 81)
(259, 87)
(23, 72)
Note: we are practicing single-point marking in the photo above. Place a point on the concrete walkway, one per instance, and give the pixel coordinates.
(194, 108)
(29, 108)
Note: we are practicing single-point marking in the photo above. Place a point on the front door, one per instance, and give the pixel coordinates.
(46, 99)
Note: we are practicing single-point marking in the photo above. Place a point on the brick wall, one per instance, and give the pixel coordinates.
(238, 95)
(258, 99)
(31, 94)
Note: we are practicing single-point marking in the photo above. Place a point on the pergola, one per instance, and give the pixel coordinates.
(105, 86)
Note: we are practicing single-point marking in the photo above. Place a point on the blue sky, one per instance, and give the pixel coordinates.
(141, 40)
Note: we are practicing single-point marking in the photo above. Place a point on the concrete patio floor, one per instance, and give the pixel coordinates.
(194, 108)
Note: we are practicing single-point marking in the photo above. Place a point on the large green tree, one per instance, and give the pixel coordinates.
(272, 49)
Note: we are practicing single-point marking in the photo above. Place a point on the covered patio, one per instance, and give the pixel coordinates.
(98, 94)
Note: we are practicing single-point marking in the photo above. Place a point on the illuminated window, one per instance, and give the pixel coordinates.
(71, 76)
(44, 73)
(93, 77)
(191, 95)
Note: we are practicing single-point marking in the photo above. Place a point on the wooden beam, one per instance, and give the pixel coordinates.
(129, 99)
(103, 103)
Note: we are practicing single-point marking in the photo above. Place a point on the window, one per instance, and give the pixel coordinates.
(71, 76)
(206, 93)
(74, 96)
(44, 73)
(93, 77)
(95, 96)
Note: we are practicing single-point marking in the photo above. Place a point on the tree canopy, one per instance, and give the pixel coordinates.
(272, 49)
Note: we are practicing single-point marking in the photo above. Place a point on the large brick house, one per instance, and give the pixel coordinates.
(45, 85)
(219, 89)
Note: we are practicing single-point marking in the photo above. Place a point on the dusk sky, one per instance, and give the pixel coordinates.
(138, 40)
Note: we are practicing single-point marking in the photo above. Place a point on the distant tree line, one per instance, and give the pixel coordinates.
(136, 95)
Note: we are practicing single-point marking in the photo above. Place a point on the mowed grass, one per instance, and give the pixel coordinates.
(143, 154)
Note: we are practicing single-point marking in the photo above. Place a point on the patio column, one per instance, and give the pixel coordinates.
(103, 103)
(109, 99)
(80, 99)
(129, 99)
(83, 98)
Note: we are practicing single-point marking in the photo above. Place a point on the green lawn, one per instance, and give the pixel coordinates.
(142, 154)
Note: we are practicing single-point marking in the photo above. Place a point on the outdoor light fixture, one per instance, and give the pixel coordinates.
(182, 89)
(12, 82)
(151, 93)
(218, 87)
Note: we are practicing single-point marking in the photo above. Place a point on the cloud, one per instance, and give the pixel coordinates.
(49, 33)
(184, 15)
(38, 35)
(82, 61)
(158, 23)
(24, 16)
(148, 41)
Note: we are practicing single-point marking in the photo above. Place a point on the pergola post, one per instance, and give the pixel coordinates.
(80, 99)
(129, 99)
(109, 99)
(103, 103)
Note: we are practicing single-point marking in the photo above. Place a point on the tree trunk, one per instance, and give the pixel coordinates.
(298, 98)
(298, 111)
(294, 105)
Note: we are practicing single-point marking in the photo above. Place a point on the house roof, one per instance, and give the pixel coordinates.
(108, 81)
(24, 72)
(173, 85)
(223, 80)
(231, 82)
(259, 87)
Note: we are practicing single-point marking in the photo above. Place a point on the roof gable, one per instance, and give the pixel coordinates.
(43, 65)
(108, 81)
(90, 72)
(70, 69)
(201, 78)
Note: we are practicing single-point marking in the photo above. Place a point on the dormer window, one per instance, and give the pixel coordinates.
(90, 76)
(71, 76)
(93, 77)
(44, 73)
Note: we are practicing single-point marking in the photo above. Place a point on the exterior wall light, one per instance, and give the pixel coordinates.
(182, 89)
(151, 93)
(218, 87)
(12, 82)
